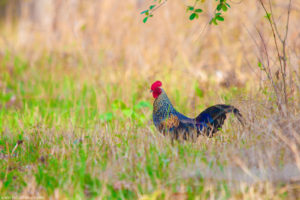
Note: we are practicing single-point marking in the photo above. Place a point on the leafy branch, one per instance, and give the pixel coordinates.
(221, 7)
(149, 12)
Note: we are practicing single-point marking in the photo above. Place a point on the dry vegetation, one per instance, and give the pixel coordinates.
(75, 108)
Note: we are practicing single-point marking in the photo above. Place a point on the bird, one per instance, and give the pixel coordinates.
(171, 122)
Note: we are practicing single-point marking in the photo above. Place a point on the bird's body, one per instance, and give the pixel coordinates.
(168, 120)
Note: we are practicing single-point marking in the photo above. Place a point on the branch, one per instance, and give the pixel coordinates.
(273, 33)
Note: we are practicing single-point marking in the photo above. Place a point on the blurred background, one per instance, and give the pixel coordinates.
(110, 34)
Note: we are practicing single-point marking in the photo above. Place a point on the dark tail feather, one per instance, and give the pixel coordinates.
(237, 114)
(216, 115)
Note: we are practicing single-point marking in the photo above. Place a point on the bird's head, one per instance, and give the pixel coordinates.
(155, 89)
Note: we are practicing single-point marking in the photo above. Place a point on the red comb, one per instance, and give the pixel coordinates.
(155, 85)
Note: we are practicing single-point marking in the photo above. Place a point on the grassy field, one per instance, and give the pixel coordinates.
(75, 107)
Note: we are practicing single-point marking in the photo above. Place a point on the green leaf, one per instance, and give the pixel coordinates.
(260, 65)
(199, 92)
(268, 16)
(151, 7)
(219, 7)
(227, 5)
(198, 10)
(127, 112)
(224, 7)
(143, 12)
(118, 104)
(213, 21)
(145, 19)
(193, 15)
(190, 8)
(220, 18)
(143, 104)
(106, 116)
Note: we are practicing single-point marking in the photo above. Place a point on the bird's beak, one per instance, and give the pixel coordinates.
(151, 91)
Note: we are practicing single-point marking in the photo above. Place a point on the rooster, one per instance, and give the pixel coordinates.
(168, 120)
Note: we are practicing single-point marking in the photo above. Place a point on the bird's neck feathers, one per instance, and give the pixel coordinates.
(163, 96)
(162, 101)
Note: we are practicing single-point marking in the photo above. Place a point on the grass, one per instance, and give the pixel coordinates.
(82, 139)
(75, 114)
